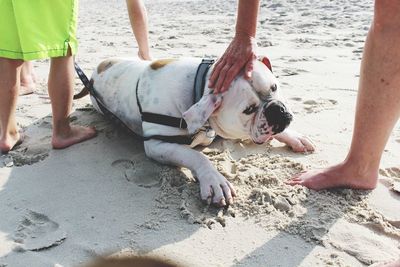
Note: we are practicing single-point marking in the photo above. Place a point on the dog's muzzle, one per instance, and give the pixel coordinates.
(277, 115)
(273, 118)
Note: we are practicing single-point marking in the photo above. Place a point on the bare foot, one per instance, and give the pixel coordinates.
(76, 135)
(342, 175)
(10, 142)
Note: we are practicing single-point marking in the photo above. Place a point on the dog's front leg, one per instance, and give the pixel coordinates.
(296, 141)
(213, 185)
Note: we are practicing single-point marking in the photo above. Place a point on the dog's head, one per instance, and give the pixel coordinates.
(250, 109)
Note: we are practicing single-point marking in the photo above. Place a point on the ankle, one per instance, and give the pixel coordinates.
(361, 168)
(10, 134)
(359, 174)
(61, 129)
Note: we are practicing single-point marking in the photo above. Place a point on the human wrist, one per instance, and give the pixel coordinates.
(244, 35)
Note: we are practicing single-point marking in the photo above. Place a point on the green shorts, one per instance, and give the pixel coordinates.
(35, 29)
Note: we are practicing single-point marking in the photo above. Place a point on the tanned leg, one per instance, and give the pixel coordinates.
(61, 82)
(10, 70)
(377, 110)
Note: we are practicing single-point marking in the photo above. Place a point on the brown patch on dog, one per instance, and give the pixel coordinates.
(106, 64)
(135, 261)
(157, 64)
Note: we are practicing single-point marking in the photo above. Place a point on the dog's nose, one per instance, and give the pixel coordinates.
(278, 116)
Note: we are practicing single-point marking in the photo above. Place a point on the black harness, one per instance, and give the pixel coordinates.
(198, 87)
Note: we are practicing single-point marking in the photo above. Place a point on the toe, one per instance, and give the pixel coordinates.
(218, 197)
(205, 192)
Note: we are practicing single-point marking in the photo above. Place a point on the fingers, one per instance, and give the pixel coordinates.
(222, 69)
(222, 84)
(232, 72)
(215, 72)
(226, 72)
(248, 70)
(239, 55)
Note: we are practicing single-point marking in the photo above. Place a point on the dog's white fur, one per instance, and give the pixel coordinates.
(166, 87)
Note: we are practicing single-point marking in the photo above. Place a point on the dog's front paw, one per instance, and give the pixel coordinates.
(296, 141)
(216, 188)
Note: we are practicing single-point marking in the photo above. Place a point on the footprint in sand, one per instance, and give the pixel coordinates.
(31, 154)
(386, 196)
(314, 106)
(37, 232)
(393, 172)
(292, 72)
(142, 171)
(364, 244)
(296, 98)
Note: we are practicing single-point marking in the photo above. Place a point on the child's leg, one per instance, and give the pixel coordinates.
(138, 17)
(10, 70)
(61, 89)
(28, 79)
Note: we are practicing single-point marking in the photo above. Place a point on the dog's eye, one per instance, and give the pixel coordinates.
(251, 109)
(274, 87)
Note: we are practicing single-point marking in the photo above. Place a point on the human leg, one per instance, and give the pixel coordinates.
(138, 17)
(28, 79)
(10, 70)
(61, 80)
(377, 110)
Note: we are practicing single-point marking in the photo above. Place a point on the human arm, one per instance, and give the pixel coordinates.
(241, 52)
(138, 18)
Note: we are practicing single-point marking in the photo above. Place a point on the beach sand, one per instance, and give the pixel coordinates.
(103, 196)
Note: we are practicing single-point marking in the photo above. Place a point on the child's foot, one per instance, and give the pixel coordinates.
(11, 142)
(76, 135)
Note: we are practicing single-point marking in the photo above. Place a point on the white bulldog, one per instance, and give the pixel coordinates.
(250, 109)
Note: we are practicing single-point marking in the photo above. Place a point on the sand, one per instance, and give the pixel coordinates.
(103, 196)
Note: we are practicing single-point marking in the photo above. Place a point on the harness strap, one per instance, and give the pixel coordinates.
(159, 118)
(164, 120)
(200, 80)
(178, 139)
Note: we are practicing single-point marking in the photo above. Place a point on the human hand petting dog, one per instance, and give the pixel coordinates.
(240, 54)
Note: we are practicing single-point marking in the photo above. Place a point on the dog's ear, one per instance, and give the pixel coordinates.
(197, 115)
(262, 77)
(267, 62)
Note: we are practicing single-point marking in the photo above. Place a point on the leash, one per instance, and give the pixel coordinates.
(199, 84)
(89, 85)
